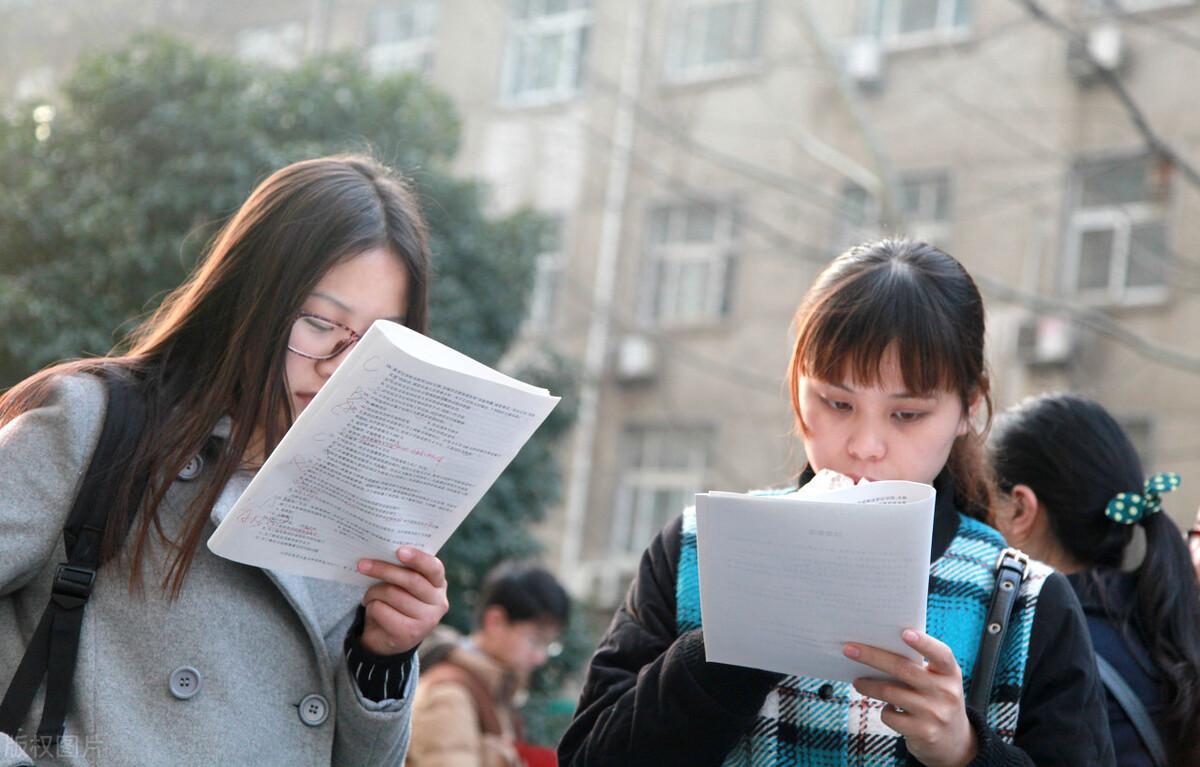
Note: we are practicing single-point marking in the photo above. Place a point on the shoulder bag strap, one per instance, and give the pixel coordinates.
(1010, 572)
(485, 707)
(54, 646)
(1128, 700)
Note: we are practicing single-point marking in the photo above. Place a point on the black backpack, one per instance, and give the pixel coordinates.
(55, 643)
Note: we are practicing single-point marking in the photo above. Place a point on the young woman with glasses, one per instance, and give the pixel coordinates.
(185, 657)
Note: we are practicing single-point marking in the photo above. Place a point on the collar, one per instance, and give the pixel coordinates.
(945, 510)
(500, 682)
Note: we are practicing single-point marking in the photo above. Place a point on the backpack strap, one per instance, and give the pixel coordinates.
(54, 646)
(1011, 567)
(1128, 700)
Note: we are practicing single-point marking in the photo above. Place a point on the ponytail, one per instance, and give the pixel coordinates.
(1168, 618)
(1077, 459)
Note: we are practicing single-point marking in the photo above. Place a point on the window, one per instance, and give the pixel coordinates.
(547, 48)
(662, 469)
(925, 207)
(1117, 234)
(547, 278)
(280, 45)
(858, 219)
(918, 22)
(689, 263)
(712, 38)
(401, 36)
(923, 202)
(1133, 6)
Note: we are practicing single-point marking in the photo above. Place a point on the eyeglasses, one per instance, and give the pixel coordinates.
(320, 338)
(541, 639)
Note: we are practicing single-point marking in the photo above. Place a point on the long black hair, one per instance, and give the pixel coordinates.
(1075, 457)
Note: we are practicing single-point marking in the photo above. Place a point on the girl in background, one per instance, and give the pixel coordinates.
(1076, 495)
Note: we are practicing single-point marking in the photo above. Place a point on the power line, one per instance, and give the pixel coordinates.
(1092, 319)
(1154, 142)
(1097, 321)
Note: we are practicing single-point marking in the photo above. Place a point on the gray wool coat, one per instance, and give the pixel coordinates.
(245, 645)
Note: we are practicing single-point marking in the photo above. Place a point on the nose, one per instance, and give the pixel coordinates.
(325, 368)
(867, 443)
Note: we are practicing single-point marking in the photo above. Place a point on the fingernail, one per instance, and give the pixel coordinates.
(404, 552)
(364, 566)
(910, 636)
(851, 651)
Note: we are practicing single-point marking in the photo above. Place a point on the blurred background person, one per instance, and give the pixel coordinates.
(1076, 497)
(464, 713)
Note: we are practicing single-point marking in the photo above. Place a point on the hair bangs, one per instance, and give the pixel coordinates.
(847, 335)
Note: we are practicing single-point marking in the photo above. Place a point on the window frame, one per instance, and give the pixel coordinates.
(673, 255)
(882, 22)
(1102, 8)
(1120, 219)
(549, 271)
(633, 524)
(569, 82)
(676, 72)
(931, 229)
(414, 54)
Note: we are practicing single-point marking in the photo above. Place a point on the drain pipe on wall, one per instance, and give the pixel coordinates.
(607, 263)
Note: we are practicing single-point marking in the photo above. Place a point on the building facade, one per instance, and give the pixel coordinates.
(703, 159)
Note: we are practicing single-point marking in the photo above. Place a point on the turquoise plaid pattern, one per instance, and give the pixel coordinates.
(796, 726)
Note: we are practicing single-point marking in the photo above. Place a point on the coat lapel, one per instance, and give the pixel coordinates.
(321, 605)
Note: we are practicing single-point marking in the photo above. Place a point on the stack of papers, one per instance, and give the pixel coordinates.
(786, 581)
(395, 450)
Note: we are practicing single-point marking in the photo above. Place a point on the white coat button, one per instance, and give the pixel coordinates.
(192, 469)
(184, 682)
(314, 710)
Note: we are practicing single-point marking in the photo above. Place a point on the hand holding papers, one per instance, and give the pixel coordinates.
(785, 581)
(397, 447)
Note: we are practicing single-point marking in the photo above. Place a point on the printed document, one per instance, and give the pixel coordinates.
(786, 581)
(395, 450)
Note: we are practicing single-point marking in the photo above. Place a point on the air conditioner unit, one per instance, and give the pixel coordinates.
(864, 62)
(1046, 340)
(1103, 46)
(636, 359)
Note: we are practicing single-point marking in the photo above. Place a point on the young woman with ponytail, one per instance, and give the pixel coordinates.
(1077, 498)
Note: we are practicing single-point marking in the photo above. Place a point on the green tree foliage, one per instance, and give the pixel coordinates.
(153, 146)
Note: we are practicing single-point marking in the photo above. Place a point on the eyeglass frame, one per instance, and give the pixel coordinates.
(355, 337)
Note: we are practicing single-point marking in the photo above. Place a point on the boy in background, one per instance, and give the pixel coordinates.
(464, 713)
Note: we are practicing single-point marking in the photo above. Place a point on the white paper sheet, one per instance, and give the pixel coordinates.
(395, 450)
(785, 582)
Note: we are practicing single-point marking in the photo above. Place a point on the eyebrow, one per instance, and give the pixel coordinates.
(346, 308)
(894, 395)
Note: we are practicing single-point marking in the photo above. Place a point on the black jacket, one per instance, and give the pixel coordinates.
(651, 698)
(1126, 652)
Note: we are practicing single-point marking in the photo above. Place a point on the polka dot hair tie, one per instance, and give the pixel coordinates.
(1129, 508)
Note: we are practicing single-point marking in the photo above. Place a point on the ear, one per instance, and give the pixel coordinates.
(494, 617)
(1021, 516)
(976, 402)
